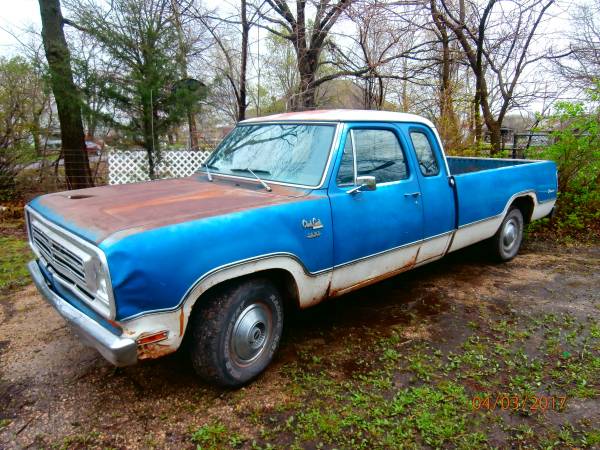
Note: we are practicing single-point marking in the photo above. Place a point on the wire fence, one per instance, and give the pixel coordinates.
(46, 173)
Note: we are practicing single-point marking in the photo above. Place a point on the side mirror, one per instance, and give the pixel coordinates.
(364, 183)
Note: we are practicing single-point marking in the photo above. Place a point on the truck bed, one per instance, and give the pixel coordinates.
(484, 186)
(459, 165)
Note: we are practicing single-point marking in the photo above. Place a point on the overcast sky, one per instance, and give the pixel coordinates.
(17, 15)
(20, 15)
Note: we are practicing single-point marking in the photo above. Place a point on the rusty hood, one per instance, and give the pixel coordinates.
(96, 213)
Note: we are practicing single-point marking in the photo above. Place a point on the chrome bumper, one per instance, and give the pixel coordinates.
(119, 351)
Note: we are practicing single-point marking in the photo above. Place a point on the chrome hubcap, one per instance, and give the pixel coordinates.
(251, 332)
(510, 234)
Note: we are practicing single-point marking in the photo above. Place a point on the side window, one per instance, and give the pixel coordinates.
(345, 174)
(425, 155)
(378, 153)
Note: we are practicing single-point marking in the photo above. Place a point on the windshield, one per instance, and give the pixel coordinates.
(288, 153)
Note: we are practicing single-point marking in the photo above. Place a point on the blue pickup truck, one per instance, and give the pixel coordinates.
(289, 210)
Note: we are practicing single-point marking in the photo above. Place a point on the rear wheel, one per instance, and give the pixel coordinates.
(236, 332)
(507, 240)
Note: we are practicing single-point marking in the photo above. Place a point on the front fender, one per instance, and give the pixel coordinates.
(157, 270)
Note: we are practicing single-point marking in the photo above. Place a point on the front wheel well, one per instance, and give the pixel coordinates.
(525, 205)
(282, 279)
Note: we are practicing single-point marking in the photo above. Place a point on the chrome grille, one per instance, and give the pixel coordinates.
(75, 264)
(58, 255)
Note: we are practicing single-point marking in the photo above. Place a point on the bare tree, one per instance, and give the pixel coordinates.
(231, 61)
(582, 65)
(378, 37)
(447, 121)
(77, 168)
(496, 40)
(307, 36)
(391, 44)
(280, 69)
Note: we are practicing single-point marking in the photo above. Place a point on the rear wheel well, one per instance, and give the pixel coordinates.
(525, 204)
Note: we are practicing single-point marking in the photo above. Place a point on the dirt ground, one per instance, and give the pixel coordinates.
(462, 320)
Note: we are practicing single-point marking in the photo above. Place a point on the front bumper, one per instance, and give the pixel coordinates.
(117, 350)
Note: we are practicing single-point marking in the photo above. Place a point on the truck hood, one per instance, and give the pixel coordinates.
(97, 213)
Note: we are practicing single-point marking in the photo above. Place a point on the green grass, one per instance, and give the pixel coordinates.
(215, 436)
(14, 254)
(433, 406)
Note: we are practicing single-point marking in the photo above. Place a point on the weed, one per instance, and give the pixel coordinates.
(13, 260)
(215, 436)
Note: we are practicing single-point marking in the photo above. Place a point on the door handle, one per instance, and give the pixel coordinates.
(412, 194)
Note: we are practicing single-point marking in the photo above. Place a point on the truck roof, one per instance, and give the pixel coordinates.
(342, 115)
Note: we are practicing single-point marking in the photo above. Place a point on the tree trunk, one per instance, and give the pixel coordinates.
(150, 137)
(308, 63)
(193, 128)
(449, 129)
(381, 94)
(243, 64)
(493, 127)
(182, 57)
(77, 167)
(405, 106)
(306, 96)
(35, 133)
(477, 124)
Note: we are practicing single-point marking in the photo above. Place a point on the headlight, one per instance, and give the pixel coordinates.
(99, 280)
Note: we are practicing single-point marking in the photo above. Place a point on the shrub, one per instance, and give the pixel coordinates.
(576, 151)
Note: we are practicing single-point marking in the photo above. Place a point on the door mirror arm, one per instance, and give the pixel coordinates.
(364, 183)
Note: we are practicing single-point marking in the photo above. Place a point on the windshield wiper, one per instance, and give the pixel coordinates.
(209, 166)
(266, 172)
(237, 169)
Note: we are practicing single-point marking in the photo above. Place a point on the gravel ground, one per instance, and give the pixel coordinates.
(54, 392)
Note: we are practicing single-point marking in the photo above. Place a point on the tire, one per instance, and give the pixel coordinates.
(236, 332)
(507, 240)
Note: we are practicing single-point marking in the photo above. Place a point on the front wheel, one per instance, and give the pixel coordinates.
(507, 240)
(236, 332)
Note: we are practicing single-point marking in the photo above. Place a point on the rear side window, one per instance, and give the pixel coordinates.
(425, 155)
(378, 153)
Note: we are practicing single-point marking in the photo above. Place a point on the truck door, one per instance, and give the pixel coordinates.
(437, 195)
(377, 228)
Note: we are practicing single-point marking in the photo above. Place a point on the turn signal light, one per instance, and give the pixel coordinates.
(154, 337)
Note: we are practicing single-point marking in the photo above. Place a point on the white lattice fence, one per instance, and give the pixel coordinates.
(131, 166)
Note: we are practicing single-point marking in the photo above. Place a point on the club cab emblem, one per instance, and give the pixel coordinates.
(313, 224)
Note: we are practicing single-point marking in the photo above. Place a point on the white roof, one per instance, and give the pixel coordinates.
(342, 115)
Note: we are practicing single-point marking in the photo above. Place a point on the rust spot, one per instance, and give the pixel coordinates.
(409, 265)
(109, 209)
(115, 324)
(153, 351)
(181, 322)
(314, 301)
